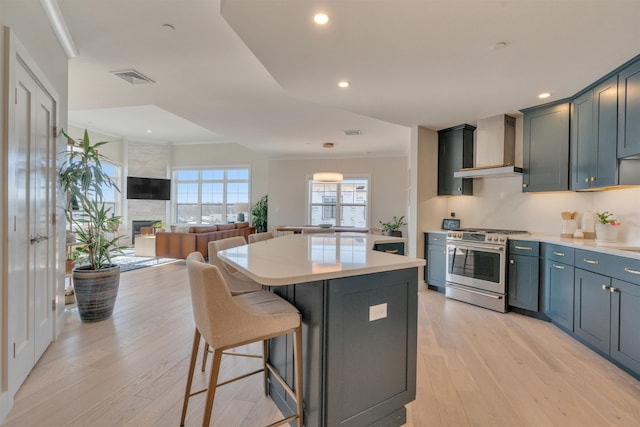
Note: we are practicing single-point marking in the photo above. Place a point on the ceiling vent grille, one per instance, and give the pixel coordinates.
(352, 132)
(132, 76)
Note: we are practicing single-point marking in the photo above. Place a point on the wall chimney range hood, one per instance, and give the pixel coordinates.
(494, 149)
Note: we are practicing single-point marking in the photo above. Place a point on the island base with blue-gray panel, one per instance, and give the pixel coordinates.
(359, 349)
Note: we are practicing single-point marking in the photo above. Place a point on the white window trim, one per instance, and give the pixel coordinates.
(346, 178)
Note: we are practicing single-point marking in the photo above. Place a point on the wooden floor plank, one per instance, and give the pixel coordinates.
(474, 367)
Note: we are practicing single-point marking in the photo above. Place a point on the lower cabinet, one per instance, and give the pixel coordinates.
(558, 284)
(593, 309)
(523, 277)
(435, 251)
(390, 248)
(625, 320)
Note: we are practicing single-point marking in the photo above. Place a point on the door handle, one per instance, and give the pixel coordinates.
(524, 248)
(37, 238)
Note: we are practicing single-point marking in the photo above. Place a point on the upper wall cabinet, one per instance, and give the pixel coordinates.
(546, 148)
(455, 151)
(629, 111)
(594, 127)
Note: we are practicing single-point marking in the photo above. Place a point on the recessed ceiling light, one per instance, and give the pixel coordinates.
(343, 84)
(544, 95)
(148, 130)
(328, 144)
(321, 18)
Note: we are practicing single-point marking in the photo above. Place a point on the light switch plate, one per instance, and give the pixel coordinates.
(377, 312)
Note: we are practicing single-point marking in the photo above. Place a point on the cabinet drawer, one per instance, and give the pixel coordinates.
(595, 261)
(436, 238)
(524, 247)
(390, 248)
(627, 269)
(558, 253)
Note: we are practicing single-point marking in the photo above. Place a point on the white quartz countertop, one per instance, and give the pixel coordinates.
(620, 249)
(300, 258)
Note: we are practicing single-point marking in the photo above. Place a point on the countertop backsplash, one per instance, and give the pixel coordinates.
(500, 203)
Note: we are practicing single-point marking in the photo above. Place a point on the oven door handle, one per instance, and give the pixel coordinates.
(486, 248)
(484, 294)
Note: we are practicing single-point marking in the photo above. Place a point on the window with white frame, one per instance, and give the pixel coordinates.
(216, 195)
(111, 197)
(339, 204)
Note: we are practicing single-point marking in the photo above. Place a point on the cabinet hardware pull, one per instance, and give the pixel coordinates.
(444, 252)
(558, 253)
(524, 248)
(586, 180)
(394, 251)
(559, 267)
(628, 270)
(593, 178)
(436, 239)
(605, 287)
(511, 261)
(459, 188)
(590, 261)
(525, 185)
(613, 290)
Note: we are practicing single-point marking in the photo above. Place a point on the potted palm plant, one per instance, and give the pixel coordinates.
(95, 278)
(259, 214)
(392, 228)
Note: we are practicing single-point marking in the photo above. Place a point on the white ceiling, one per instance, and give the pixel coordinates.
(260, 73)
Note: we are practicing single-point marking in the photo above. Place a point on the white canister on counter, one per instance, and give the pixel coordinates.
(568, 227)
(589, 225)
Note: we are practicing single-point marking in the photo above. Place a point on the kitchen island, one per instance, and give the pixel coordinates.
(359, 314)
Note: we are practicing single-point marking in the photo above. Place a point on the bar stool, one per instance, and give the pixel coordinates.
(236, 281)
(226, 321)
(259, 237)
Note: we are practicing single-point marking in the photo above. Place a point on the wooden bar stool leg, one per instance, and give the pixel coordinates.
(204, 355)
(297, 360)
(213, 381)
(192, 367)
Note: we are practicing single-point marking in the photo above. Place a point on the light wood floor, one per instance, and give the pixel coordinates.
(475, 367)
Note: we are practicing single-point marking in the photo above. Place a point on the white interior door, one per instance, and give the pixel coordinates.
(30, 193)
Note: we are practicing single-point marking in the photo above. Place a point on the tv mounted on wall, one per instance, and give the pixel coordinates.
(148, 188)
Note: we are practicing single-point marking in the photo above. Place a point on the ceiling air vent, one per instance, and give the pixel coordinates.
(132, 76)
(352, 132)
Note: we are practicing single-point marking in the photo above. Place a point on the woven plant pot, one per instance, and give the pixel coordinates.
(96, 292)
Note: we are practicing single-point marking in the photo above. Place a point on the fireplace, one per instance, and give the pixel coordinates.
(137, 225)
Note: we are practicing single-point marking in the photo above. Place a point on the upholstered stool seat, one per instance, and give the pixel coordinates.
(226, 321)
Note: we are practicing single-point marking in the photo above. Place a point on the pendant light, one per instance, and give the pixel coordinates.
(328, 177)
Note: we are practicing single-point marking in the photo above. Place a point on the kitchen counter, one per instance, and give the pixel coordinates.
(359, 311)
(620, 249)
(299, 258)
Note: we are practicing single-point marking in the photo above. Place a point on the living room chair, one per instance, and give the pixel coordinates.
(259, 237)
(226, 321)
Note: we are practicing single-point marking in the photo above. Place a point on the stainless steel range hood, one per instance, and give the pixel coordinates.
(494, 149)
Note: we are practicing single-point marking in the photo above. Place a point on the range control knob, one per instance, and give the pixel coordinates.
(502, 239)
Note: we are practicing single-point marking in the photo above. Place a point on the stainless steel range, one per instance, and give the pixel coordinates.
(476, 266)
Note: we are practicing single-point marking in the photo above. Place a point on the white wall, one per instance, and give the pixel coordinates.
(288, 186)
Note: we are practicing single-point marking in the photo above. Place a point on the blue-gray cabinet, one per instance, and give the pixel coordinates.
(592, 309)
(523, 277)
(558, 284)
(435, 251)
(455, 151)
(594, 129)
(629, 111)
(545, 153)
(390, 248)
(625, 319)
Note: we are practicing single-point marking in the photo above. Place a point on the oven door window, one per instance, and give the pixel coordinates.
(474, 264)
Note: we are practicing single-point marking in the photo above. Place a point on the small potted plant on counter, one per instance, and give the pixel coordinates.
(392, 228)
(606, 227)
